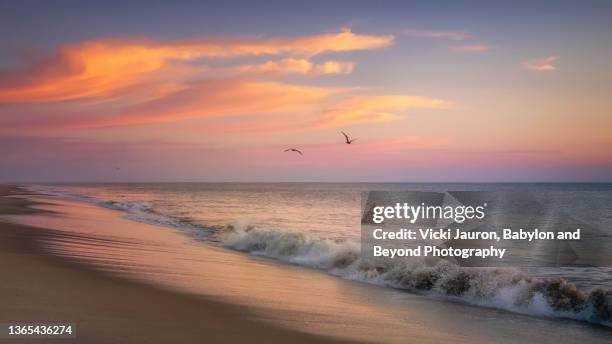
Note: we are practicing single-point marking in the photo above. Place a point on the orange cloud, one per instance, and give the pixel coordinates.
(542, 65)
(136, 82)
(334, 67)
(372, 109)
(220, 98)
(308, 46)
(299, 66)
(105, 68)
(296, 107)
(92, 69)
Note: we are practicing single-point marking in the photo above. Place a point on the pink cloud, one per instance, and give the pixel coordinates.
(106, 68)
(546, 64)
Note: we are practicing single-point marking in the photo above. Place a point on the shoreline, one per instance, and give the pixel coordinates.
(41, 287)
(304, 305)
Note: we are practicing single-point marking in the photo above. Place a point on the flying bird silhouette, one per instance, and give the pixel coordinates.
(293, 150)
(348, 140)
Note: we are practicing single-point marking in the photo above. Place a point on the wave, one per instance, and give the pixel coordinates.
(140, 211)
(507, 289)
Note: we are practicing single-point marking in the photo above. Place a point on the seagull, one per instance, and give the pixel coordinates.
(348, 141)
(293, 150)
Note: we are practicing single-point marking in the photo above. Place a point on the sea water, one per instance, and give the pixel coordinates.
(317, 225)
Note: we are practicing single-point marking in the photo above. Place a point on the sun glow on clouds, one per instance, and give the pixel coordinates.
(147, 82)
(300, 66)
(220, 98)
(370, 109)
(190, 93)
(102, 68)
(424, 89)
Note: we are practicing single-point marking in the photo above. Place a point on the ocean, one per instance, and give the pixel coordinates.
(317, 226)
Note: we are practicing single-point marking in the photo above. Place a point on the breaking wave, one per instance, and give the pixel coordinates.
(507, 289)
(501, 288)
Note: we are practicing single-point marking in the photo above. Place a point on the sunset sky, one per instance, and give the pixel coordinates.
(187, 91)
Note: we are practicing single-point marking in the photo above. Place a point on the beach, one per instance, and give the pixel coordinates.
(306, 172)
(38, 287)
(123, 277)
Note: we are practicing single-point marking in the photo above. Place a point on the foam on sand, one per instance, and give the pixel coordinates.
(507, 289)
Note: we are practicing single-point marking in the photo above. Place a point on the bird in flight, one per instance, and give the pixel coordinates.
(348, 140)
(293, 150)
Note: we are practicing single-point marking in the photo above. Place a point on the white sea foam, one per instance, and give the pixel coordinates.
(506, 289)
(290, 246)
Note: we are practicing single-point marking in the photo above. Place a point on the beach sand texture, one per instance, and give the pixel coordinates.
(122, 281)
(37, 287)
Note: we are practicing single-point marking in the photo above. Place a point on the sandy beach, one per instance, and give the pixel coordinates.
(122, 279)
(306, 172)
(38, 287)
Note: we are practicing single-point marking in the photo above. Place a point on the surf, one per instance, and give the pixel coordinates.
(507, 289)
(501, 288)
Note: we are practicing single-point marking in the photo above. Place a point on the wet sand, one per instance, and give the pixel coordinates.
(126, 281)
(38, 287)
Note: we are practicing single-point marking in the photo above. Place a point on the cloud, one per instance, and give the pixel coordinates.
(106, 68)
(452, 35)
(296, 107)
(308, 46)
(299, 66)
(372, 109)
(334, 67)
(119, 83)
(542, 65)
(202, 99)
(472, 48)
(219, 98)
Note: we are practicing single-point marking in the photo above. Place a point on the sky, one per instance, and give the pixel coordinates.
(457, 91)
